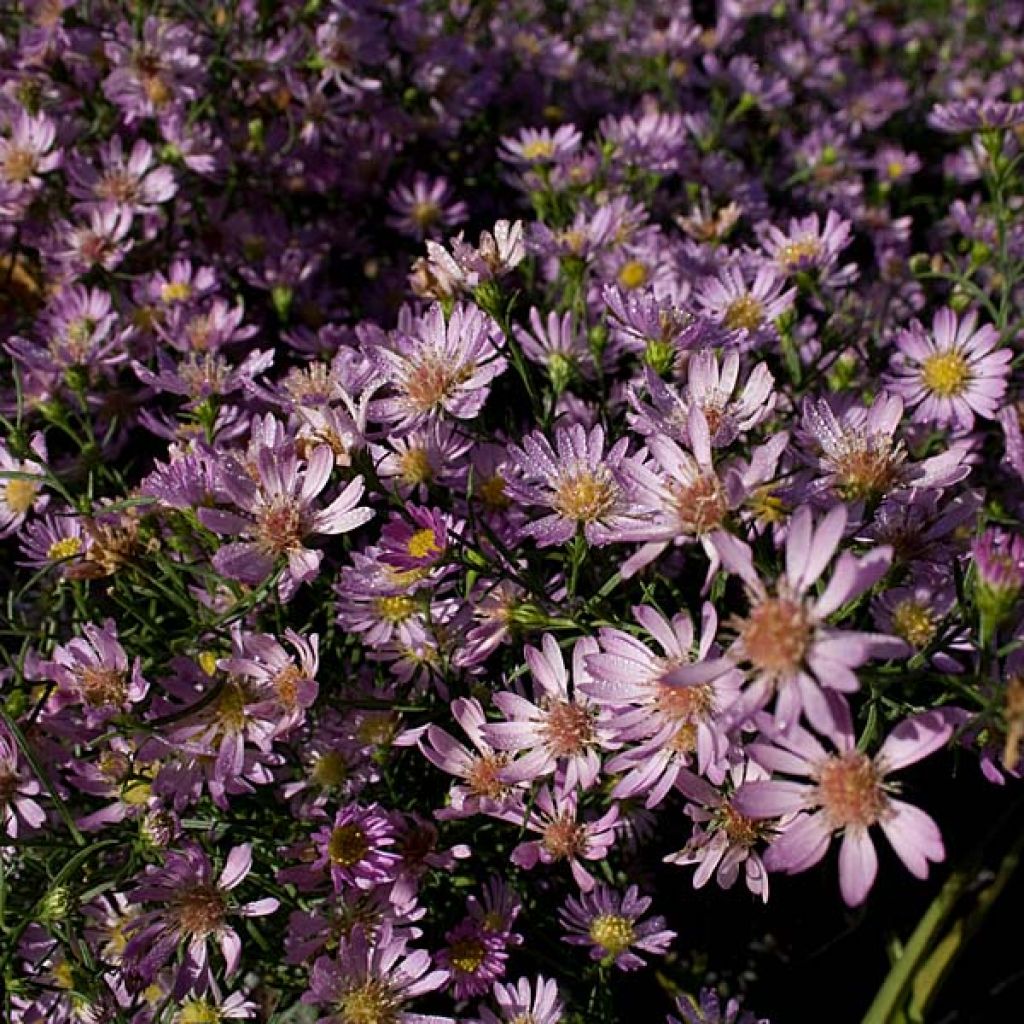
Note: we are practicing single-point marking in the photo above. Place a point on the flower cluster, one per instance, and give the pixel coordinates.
(466, 468)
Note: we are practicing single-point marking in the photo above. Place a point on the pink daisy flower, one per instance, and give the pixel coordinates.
(846, 793)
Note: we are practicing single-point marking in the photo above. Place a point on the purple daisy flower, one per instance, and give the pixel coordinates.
(952, 374)
(475, 958)
(93, 671)
(975, 115)
(585, 487)
(279, 514)
(609, 922)
(783, 638)
(356, 848)
(21, 483)
(749, 309)
(846, 793)
(809, 245)
(425, 206)
(195, 912)
(373, 981)
(709, 1010)
(523, 1003)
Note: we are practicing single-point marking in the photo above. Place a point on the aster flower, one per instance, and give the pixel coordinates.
(439, 368)
(195, 912)
(709, 1010)
(474, 957)
(586, 488)
(482, 788)
(28, 152)
(998, 559)
(54, 540)
(558, 730)
(100, 242)
(277, 514)
(541, 146)
(370, 983)
(660, 726)
(417, 545)
(555, 343)
(975, 115)
(554, 814)
(93, 671)
(846, 793)
(953, 373)
(860, 457)
(784, 639)
(689, 498)
(425, 207)
(21, 485)
(610, 923)
(749, 309)
(356, 849)
(723, 840)
(809, 245)
(711, 388)
(539, 1003)
(134, 180)
(20, 809)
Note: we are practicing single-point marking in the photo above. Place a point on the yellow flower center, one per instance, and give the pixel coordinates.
(348, 845)
(798, 253)
(633, 274)
(19, 495)
(492, 493)
(371, 1003)
(467, 955)
(175, 291)
(66, 547)
(415, 467)
(894, 169)
(585, 494)
(612, 932)
(396, 608)
(423, 543)
(19, 165)
(199, 1012)
(539, 149)
(744, 313)
(946, 374)
(425, 213)
(913, 622)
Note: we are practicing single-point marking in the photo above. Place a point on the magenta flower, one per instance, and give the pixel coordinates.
(586, 488)
(356, 849)
(278, 514)
(195, 913)
(372, 981)
(609, 922)
(482, 787)
(784, 640)
(723, 840)
(419, 544)
(846, 793)
(474, 957)
(952, 374)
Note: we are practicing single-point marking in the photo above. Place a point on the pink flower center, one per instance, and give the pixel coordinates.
(568, 728)
(102, 686)
(281, 526)
(850, 790)
(483, 774)
(702, 505)
(564, 837)
(432, 381)
(776, 635)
